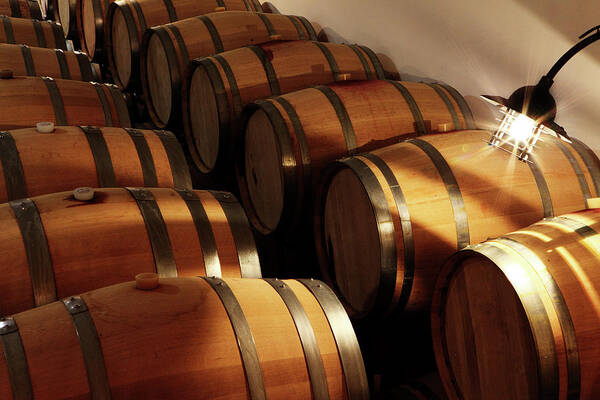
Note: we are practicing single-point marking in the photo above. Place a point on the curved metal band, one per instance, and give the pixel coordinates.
(312, 35)
(268, 24)
(185, 56)
(8, 30)
(368, 71)
(299, 29)
(413, 106)
(120, 105)
(16, 360)
(102, 159)
(269, 70)
(591, 161)
(85, 67)
(245, 339)
(462, 104)
(342, 115)
(387, 240)
(564, 317)
(345, 338)
(27, 60)
(15, 9)
(406, 226)
(288, 160)
(585, 189)
(456, 199)
(35, 12)
(57, 101)
(104, 103)
(99, 14)
(157, 232)
(312, 354)
(242, 235)
(145, 157)
(303, 144)
(223, 105)
(39, 33)
(214, 33)
(233, 87)
(170, 10)
(538, 320)
(41, 270)
(12, 168)
(177, 162)
(141, 20)
(333, 65)
(221, 3)
(62, 64)
(379, 72)
(257, 6)
(542, 186)
(91, 349)
(449, 105)
(248, 6)
(175, 68)
(59, 37)
(206, 236)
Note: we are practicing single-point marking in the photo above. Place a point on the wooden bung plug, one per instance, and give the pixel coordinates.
(344, 77)
(146, 281)
(83, 193)
(447, 127)
(276, 37)
(219, 9)
(6, 74)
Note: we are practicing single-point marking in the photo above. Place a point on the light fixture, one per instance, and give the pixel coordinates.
(530, 110)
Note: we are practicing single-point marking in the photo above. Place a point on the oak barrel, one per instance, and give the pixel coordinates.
(56, 246)
(31, 32)
(189, 338)
(29, 9)
(288, 140)
(88, 156)
(218, 87)
(28, 100)
(528, 305)
(167, 50)
(89, 15)
(386, 220)
(56, 63)
(64, 12)
(126, 22)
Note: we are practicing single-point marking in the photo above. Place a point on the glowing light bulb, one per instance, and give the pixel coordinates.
(521, 128)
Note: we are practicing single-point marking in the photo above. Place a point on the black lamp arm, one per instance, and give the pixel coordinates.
(548, 79)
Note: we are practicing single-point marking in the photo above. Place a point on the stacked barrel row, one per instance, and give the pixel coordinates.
(92, 199)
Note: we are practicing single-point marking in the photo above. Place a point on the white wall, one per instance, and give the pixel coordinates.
(477, 46)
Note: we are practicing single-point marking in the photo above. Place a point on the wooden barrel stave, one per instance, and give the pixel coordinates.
(451, 205)
(171, 232)
(350, 117)
(64, 102)
(21, 9)
(184, 40)
(252, 73)
(87, 156)
(34, 61)
(245, 313)
(32, 32)
(129, 20)
(547, 259)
